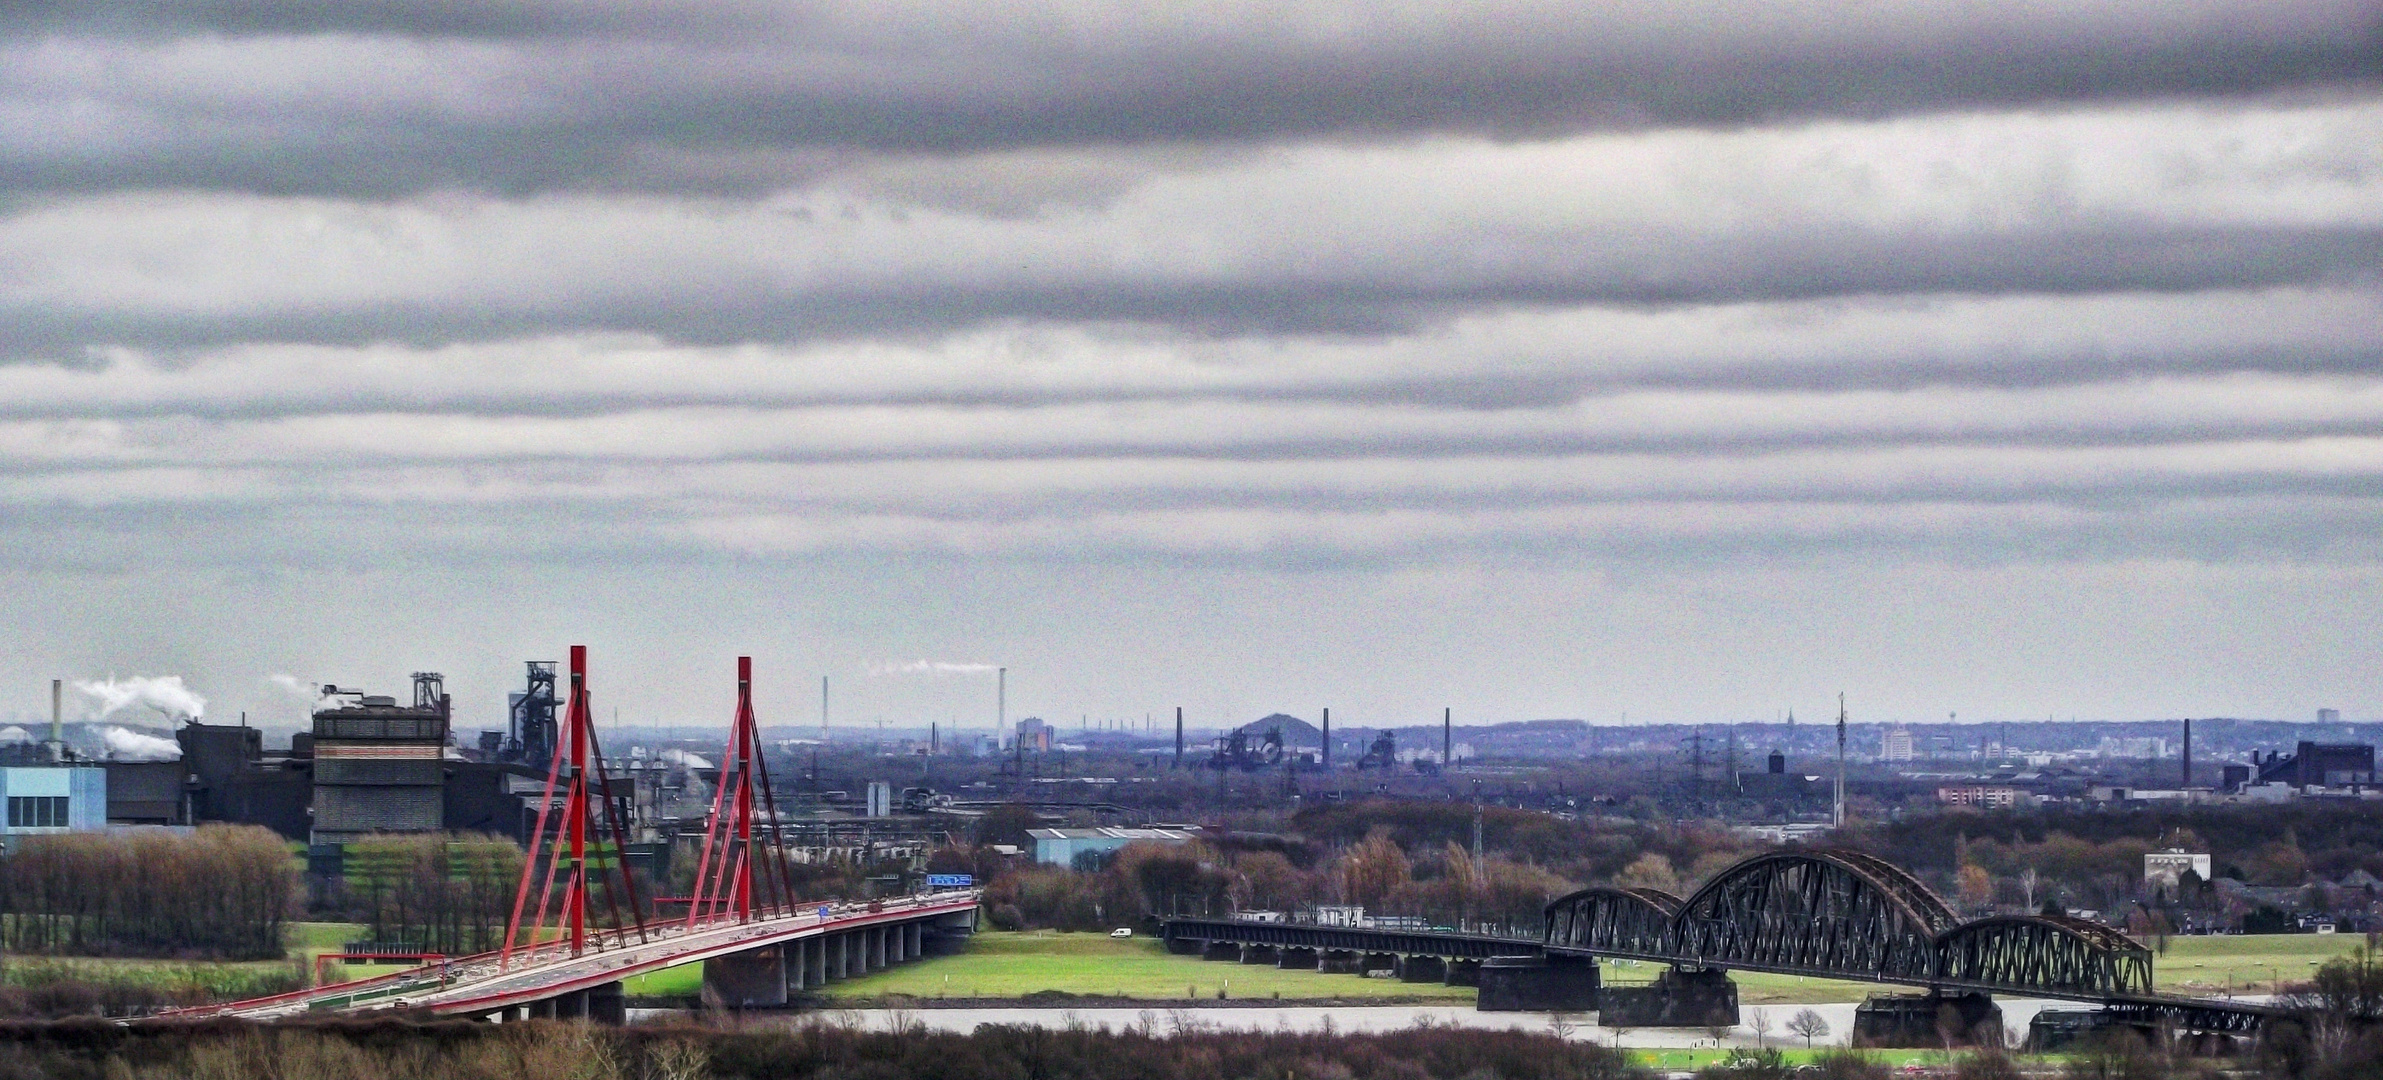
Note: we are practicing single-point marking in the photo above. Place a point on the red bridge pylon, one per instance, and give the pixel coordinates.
(560, 852)
(733, 855)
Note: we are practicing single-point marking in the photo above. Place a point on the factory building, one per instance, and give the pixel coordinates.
(52, 799)
(379, 765)
(1064, 847)
(2314, 764)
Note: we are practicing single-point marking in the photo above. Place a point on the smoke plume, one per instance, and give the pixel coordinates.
(684, 759)
(125, 744)
(164, 693)
(932, 667)
(309, 692)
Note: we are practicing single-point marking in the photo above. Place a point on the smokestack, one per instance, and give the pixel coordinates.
(1327, 740)
(1001, 702)
(934, 739)
(2188, 751)
(1838, 818)
(823, 708)
(1447, 738)
(57, 710)
(1178, 736)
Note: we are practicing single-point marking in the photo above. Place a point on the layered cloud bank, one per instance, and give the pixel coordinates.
(1269, 288)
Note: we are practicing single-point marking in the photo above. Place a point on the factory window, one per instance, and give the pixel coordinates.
(37, 811)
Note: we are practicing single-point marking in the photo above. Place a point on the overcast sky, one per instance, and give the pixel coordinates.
(1679, 360)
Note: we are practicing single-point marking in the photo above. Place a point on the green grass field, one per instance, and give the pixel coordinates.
(219, 978)
(2207, 966)
(999, 965)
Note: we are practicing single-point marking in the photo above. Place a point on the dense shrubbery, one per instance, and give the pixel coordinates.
(1165, 1049)
(447, 894)
(222, 891)
(1393, 857)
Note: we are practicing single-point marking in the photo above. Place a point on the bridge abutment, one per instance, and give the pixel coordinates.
(1464, 973)
(1186, 946)
(1927, 1020)
(1537, 984)
(1691, 998)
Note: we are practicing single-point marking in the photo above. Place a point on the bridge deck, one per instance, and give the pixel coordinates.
(480, 984)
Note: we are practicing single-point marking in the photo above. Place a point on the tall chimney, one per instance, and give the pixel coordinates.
(2188, 751)
(1001, 701)
(1327, 740)
(823, 708)
(1178, 736)
(1837, 818)
(1447, 738)
(58, 711)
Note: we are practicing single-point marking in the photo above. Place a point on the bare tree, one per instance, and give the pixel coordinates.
(1808, 1024)
(1760, 1022)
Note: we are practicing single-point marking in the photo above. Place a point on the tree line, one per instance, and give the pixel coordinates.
(217, 892)
(1172, 1048)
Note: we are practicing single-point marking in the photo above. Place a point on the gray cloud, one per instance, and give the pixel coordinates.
(385, 100)
(1698, 355)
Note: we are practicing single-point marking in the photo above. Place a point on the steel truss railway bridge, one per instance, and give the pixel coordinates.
(1829, 914)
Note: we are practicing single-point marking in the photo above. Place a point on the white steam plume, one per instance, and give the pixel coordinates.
(309, 692)
(932, 667)
(164, 693)
(125, 744)
(685, 759)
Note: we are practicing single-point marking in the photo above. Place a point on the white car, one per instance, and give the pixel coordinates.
(1122, 931)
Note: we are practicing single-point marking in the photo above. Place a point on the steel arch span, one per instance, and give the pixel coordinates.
(1848, 915)
(2046, 954)
(1615, 922)
(1815, 911)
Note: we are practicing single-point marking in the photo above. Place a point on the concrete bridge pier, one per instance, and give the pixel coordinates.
(1424, 969)
(1186, 946)
(1295, 958)
(608, 1004)
(1261, 954)
(1689, 998)
(1339, 962)
(798, 967)
(753, 979)
(1927, 1020)
(839, 956)
(1379, 961)
(1222, 950)
(1464, 972)
(1542, 984)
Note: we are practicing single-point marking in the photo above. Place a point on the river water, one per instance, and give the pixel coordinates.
(2016, 1012)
